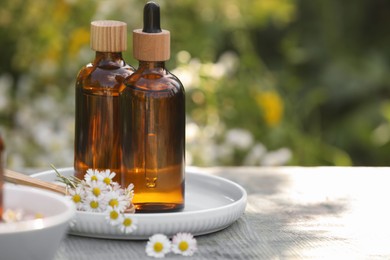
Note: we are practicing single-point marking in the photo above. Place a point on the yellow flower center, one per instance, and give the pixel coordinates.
(107, 181)
(113, 203)
(76, 198)
(183, 246)
(94, 178)
(127, 222)
(114, 214)
(158, 247)
(96, 191)
(94, 204)
(38, 215)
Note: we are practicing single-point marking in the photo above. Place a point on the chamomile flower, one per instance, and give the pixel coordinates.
(97, 189)
(107, 176)
(113, 216)
(94, 204)
(92, 176)
(99, 193)
(77, 195)
(158, 245)
(115, 199)
(128, 224)
(184, 244)
(10, 216)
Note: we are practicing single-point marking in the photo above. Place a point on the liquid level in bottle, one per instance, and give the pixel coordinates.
(166, 195)
(97, 132)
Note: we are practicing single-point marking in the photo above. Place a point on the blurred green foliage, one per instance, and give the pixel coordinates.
(268, 81)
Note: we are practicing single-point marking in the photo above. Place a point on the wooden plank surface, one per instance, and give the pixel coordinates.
(292, 213)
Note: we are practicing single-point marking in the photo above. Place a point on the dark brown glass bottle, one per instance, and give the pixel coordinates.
(97, 143)
(1, 177)
(152, 108)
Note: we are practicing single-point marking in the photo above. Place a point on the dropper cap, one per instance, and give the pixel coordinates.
(151, 43)
(108, 36)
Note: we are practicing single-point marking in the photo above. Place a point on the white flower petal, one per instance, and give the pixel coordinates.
(93, 204)
(92, 176)
(113, 216)
(184, 244)
(126, 226)
(158, 245)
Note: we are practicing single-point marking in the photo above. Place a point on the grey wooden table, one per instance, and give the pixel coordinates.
(292, 213)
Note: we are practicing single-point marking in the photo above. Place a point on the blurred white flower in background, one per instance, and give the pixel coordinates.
(203, 149)
(226, 65)
(229, 62)
(188, 70)
(255, 154)
(239, 138)
(43, 127)
(278, 157)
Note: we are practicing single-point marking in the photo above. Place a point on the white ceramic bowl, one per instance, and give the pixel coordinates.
(36, 239)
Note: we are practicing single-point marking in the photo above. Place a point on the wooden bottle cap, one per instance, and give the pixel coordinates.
(108, 36)
(151, 46)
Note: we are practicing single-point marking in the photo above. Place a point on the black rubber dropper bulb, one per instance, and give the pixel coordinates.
(151, 18)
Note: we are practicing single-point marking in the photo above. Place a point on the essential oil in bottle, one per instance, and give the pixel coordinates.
(97, 95)
(152, 108)
(1, 177)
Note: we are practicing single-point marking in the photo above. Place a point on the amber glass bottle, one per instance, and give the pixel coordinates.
(97, 95)
(152, 108)
(1, 177)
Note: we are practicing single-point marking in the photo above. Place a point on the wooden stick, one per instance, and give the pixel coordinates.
(22, 179)
(19, 178)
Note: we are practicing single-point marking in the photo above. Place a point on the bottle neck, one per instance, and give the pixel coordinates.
(148, 65)
(109, 59)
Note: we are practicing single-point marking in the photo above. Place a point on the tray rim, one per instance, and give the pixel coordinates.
(238, 205)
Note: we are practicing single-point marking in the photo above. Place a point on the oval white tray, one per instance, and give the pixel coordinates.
(211, 204)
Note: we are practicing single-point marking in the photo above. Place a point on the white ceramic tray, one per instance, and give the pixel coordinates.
(211, 204)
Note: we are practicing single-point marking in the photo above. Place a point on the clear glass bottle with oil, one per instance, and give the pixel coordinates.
(97, 144)
(152, 108)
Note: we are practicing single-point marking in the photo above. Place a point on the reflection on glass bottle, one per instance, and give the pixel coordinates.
(97, 142)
